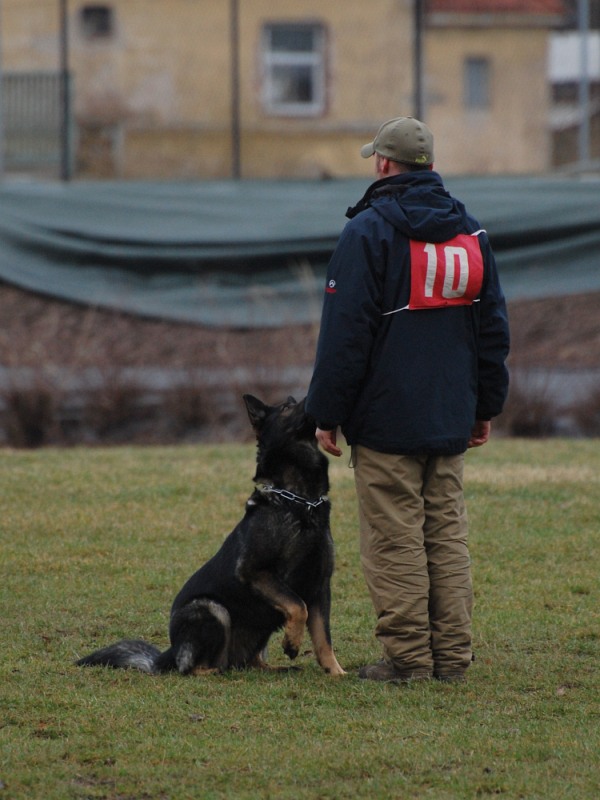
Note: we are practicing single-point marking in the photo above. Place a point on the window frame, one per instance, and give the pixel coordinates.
(477, 83)
(313, 60)
(94, 29)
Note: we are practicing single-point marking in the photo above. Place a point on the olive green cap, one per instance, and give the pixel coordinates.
(402, 139)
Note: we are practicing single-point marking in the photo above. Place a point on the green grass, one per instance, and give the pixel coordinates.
(94, 544)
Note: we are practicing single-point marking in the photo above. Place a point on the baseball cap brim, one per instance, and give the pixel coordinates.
(368, 150)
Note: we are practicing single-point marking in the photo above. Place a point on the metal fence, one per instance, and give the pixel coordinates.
(32, 120)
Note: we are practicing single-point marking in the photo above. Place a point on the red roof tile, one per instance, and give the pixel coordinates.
(497, 6)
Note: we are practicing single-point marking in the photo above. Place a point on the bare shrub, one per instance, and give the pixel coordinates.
(190, 409)
(530, 409)
(190, 406)
(30, 415)
(115, 408)
(586, 413)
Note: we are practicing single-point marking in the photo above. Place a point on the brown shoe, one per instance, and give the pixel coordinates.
(387, 673)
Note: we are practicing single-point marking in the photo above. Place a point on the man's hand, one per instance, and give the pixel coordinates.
(327, 440)
(480, 433)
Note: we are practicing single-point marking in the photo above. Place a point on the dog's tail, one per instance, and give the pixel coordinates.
(131, 654)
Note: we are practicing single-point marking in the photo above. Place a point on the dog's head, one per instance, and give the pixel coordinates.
(285, 421)
(288, 453)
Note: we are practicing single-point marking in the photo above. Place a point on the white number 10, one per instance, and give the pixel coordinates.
(452, 255)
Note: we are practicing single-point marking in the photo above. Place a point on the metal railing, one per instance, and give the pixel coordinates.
(32, 120)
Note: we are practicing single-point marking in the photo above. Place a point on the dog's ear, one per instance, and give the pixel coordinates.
(257, 411)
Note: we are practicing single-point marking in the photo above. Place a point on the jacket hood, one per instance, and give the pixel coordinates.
(417, 204)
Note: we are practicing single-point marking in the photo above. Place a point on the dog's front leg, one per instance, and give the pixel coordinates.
(318, 627)
(293, 608)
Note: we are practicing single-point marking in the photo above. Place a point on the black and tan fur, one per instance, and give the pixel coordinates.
(273, 571)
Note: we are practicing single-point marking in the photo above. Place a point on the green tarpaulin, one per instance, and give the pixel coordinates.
(249, 254)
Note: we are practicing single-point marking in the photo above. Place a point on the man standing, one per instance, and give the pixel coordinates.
(411, 364)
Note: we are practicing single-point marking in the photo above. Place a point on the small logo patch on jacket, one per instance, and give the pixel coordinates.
(331, 287)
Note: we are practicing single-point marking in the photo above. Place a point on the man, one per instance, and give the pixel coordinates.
(410, 364)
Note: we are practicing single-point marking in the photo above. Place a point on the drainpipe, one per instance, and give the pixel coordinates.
(583, 14)
(1, 105)
(234, 17)
(418, 26)
(65, 95)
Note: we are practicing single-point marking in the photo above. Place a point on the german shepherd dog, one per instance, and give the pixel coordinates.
(273, 570)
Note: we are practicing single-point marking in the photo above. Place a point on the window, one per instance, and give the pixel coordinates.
(97, 22)
(477, 83)
(294, 69)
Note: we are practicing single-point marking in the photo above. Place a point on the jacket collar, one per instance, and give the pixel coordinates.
(392, 185)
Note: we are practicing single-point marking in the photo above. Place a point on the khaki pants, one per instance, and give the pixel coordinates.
(414, 554)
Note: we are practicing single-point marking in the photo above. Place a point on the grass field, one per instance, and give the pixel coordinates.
(94, 544)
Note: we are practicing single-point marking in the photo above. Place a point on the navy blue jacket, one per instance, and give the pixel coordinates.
(400, 379)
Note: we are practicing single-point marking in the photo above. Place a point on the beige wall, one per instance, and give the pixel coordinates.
(512, 136)
(155, 99)
(29, 35)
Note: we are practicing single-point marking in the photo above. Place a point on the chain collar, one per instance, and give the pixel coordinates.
(296, 498)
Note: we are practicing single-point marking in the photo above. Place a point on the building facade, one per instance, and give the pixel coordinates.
(487, 81)
(205, 89)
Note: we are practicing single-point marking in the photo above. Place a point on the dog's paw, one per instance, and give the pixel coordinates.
(335, 671)
(291, 649)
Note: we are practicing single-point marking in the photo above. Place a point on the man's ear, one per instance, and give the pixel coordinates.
(382, 166)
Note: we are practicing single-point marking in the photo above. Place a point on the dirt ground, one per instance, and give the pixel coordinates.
(562, 332)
